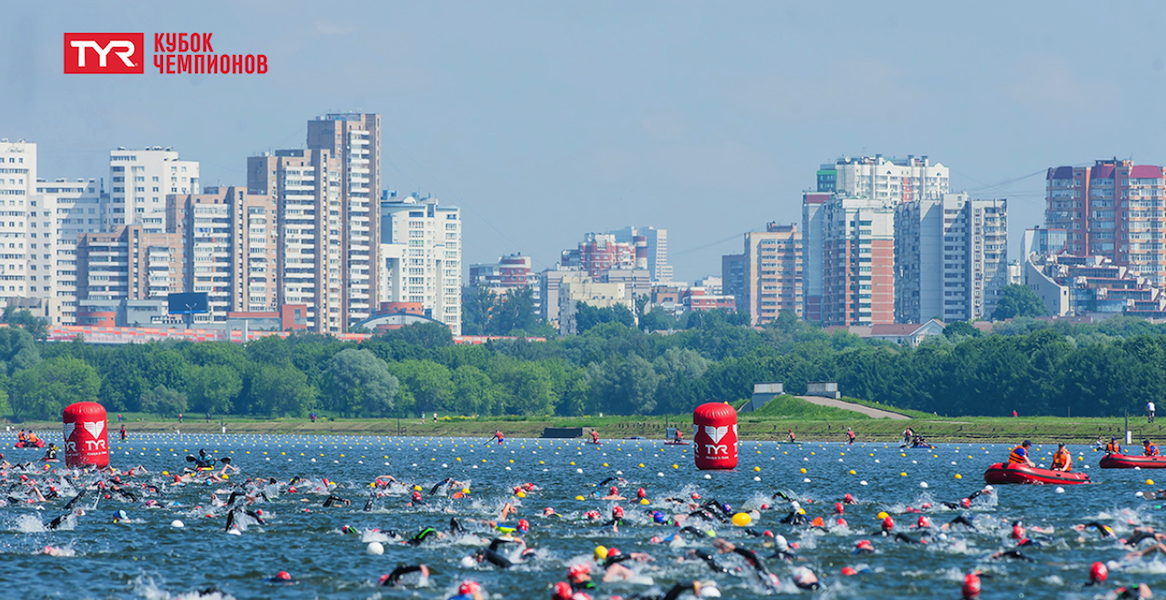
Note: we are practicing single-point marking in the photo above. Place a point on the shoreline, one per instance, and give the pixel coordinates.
(937, 430)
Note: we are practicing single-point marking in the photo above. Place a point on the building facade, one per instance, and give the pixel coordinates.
(229, 239)
(305, 186)
(421, 256)
(511, 272)
(1113, 209)
(60, 213)
(772, 269)
(951, 258)
(354, 140)
(127, 263)
(885, 179)
(813, 277)
(139, 181)
(858, 261)
(1044, 241)
(656, 244)
(599, 252)
(17, 187)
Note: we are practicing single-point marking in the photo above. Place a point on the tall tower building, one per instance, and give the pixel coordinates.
(951, 258)
(858, 261)
(813, 277)
(59, 214)
(887, 179)
(139, 182)
(355, 141)
(17, 187)
(656, 243)
(1114, 210)
(772, 271)
(229, 239)
(421, 254)
(127, 263)
(305, 187)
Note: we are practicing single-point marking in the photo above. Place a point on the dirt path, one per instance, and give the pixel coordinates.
(870, 412)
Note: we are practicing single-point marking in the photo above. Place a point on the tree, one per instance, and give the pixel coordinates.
(427, 382)
(681, 372)
(587, 316)
(43, 391)
(279, 391)
(961, 328)
(37, 327)
(1018, 301)
(164, 401)
(473, 391)
(213, 388)
(359, 383)
(625, 386)
(476, 308)
(18, 350)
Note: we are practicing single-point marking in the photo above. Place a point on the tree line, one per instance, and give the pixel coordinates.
(1027, 365)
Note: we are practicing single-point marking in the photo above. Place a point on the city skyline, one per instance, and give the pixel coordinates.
(545, 123)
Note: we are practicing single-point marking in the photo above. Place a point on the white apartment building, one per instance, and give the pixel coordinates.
(17, 187)
(657, 247)
(421, 257)
(354, 140)
(885, 179)
(139, 182)
(306, 185)
(59, 213)
(951, 258)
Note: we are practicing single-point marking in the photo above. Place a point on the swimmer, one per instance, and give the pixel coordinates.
(613, 494)
(1103, 530)
(470, 590)
(579, 576)
(394, 578)
(334, 500)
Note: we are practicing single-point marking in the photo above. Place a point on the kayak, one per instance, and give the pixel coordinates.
(924, 446)
(38, 444)
(675, 443)
(1130, 461)
(1020, 473)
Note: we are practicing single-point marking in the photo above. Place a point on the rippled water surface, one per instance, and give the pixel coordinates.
(148, 558)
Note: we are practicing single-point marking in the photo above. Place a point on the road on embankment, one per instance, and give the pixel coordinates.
(874, 413)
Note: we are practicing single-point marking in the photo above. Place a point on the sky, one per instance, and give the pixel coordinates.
(547, 120)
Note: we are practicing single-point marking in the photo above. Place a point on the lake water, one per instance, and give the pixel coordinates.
(148, 558)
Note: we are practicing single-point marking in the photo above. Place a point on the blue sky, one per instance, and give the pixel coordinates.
(545, 120)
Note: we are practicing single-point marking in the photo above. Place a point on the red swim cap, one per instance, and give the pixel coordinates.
(848, 571)
(612, 552)
(838, 508)
(614, 491)
(523, 525)
(579, 569)
(888, 524)
(695, 496)
(966, 503)
(640, 493)
(562, 591)
(528, 486)
(1098, 573)
(971, 587)
(1017, 532)
(848, 498)
(923, 522)
(841, 522)
(617, 511)
(283, 575)
(864, 545)
(469, 587)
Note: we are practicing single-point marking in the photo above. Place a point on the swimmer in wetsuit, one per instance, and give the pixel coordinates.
(394, 578)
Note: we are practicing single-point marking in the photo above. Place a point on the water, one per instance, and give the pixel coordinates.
(147, 558)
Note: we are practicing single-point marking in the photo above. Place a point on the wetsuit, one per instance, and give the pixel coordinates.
(395, 576)
(963, 520)
(334, 500)
(902, 537)
(794, 518)
(711, 562)
(421, 536)
(1136, 538)
(671, 594)
(1104, 530)
(1015, 554)
(494, 558)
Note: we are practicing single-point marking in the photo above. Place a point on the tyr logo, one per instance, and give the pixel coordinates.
(90, 53)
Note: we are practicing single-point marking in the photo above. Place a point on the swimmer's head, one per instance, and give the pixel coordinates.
(640, 493)
(523, 525)
(1098, 572)
(469, 588)
(617, 512)
(659, 517)
(600, 553)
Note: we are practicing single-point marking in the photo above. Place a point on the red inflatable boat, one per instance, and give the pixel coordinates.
(1020, 473)
(1129, 461)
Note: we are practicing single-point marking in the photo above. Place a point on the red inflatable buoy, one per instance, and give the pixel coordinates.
(86, 436)
(714, 433)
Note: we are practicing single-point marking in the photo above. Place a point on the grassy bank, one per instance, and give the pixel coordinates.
(752, 427)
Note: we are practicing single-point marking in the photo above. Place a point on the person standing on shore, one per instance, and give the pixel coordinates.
(1150, 411)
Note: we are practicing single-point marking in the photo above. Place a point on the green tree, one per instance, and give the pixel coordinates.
(1018, 301)
(473, 392)
(44, 390)
(526, 388)
(681, 373)
(164, 401)
(213, 388)
(37, 327)
(625, 386)
(587, 316)
(18, 350)
(279, 391)
(359, 383)
(426, 382)
(477, 306)
(961, 328)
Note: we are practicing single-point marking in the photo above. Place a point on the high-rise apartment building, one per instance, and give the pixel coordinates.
(17, 187)
(128, 263)
(599, 252)
(656, 244)
(229, 239)
(733, 277)
(886, 179)
(355, 141)
(771, 272)
(951, 258)
(858, 260)
(306, 188)
(59, 214)
(1113, 209)
(1043, 241)
(512, 271)
(139, 182)
(421, 257)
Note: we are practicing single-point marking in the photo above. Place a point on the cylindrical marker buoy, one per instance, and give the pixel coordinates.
(714, 433)
(86, 436)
